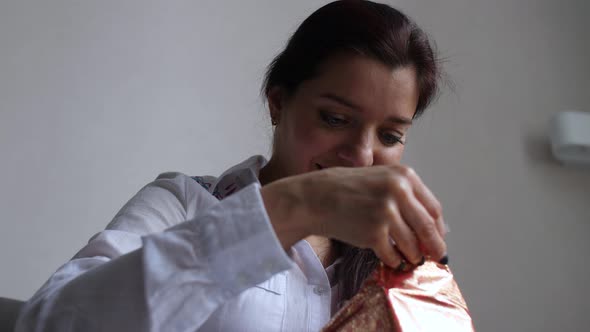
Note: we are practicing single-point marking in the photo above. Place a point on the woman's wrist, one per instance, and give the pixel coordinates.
(284, 206)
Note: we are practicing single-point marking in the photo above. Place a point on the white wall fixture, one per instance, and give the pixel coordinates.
(570, 137)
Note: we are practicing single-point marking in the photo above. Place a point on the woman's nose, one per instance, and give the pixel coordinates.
(358, 153)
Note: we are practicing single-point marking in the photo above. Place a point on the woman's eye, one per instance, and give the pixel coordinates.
(390, 139)
(331, 120)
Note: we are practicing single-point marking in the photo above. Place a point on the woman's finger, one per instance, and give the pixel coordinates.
(423, 225)
(405, 239)
(388, 254)
(430, 202)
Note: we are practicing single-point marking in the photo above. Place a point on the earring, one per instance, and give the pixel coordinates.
(274, 122)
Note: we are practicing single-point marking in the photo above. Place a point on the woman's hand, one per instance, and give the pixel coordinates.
(365, 207)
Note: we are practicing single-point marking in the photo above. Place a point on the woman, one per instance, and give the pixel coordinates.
(274, 246)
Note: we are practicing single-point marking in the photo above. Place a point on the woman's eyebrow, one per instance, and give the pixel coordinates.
(353, 106)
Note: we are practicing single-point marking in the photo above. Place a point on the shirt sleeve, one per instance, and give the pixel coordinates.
(154, 270)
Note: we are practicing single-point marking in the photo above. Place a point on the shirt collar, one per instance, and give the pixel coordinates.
(239, 176)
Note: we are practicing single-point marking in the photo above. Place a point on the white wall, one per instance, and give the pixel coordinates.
(97, 98)
(520, 223)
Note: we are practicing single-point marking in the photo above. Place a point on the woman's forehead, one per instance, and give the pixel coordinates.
(366, 84)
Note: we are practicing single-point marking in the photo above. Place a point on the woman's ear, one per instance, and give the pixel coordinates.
(275, 104)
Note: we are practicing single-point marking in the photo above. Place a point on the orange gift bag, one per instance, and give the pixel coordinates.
(426, 298)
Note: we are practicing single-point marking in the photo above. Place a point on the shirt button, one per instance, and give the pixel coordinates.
(319, 290)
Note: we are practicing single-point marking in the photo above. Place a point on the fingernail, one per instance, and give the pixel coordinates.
(447, 227)
(401, 266)
(422, 261)
(444, 260)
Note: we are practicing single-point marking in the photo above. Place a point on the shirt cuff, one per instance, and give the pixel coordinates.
(222, 251)
(243, 249)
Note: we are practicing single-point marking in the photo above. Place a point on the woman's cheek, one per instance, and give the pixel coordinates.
(310, 144)
(314, 139)
(391, 157)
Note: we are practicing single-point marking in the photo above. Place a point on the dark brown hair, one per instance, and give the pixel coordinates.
(369, 29)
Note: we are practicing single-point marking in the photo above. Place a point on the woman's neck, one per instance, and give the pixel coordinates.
(323, 248)
(269, 173)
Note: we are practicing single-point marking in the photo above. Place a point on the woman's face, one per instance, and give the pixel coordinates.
(355, 112)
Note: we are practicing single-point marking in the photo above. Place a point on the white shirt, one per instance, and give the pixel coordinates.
(175, 258)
